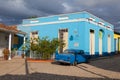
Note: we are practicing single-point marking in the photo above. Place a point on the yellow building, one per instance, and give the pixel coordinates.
(117, 42)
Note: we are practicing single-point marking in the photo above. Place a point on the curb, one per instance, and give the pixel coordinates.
(33, 60)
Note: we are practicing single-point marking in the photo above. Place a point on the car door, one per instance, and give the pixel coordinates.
(80, 57)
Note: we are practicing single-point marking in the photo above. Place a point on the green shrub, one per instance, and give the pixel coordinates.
(44, 46)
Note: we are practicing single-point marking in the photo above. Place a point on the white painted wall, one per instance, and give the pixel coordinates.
(3, 42)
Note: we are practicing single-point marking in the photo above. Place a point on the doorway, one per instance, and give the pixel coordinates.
(92, 42)
(109, 43)
(63, 37)
(100, 42)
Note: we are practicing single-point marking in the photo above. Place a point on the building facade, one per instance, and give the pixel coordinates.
(80, 30)
(117, 42)
(9, 38)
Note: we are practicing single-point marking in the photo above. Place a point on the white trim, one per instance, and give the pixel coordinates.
(24, 44)
(91, 19)
(10, 39)
(101, 23)
(35, 21)
(95, 23)
(66, 14)
(65, 21)
(56, 22)
(63, 18)
(98, 18)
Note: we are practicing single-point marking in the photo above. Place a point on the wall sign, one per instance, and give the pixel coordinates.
(76, 44)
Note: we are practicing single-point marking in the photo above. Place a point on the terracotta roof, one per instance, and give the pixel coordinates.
(8, 28)
(12, 28)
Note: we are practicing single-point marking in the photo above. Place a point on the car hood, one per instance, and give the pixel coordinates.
(63, 55)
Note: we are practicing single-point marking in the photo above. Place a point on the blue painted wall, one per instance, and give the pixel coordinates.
(78, 30)
(20, 42)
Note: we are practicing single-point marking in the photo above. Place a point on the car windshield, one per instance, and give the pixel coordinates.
(69, 51)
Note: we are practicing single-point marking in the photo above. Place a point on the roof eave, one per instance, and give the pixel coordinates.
(15, 32)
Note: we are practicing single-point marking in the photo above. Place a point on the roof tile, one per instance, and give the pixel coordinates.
(12, 28)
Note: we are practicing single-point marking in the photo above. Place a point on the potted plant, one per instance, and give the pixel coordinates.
(22, 55)
(6, 53)
(13, 52)
(23, 51)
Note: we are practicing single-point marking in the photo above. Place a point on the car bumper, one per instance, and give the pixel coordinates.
(62, 61)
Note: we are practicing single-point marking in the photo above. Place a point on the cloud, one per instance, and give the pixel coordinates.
(45, 7)
(1, 20)
(21, 9)
(12, 8)
(67, 7)
(105, 9)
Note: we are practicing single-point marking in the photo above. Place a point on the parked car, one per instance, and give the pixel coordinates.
(71, 56)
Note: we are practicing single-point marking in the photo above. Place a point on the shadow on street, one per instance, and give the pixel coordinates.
(45, 76)
(26, 67)
(81, 67)
(111, 63)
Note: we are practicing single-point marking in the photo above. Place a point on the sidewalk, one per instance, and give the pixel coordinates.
(14, 66)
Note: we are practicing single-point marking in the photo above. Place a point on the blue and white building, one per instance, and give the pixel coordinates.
(80, 30)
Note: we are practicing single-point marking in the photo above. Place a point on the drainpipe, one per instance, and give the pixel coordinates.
(10, 37)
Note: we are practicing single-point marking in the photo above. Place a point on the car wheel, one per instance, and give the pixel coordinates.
(75, 63)
(61, 63)
(87, 61)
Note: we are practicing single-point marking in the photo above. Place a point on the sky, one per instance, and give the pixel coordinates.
(12, 12)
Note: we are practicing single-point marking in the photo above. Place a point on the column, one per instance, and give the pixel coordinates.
(24, 45)
(10, 38)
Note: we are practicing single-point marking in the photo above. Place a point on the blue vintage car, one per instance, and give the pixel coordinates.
(71, 56)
